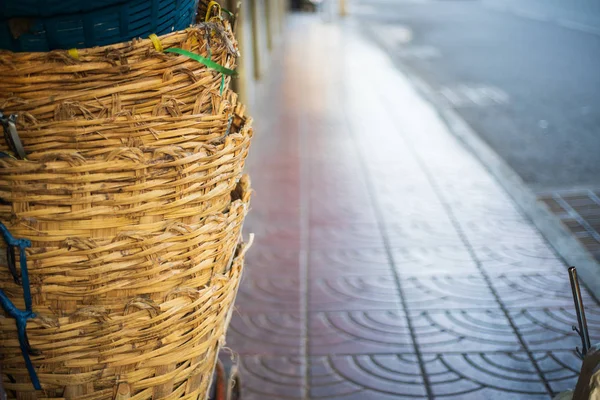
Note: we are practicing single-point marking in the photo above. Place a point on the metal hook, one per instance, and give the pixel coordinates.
(11, 135)
(582, 328)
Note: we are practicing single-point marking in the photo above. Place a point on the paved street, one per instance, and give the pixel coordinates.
(524, 74)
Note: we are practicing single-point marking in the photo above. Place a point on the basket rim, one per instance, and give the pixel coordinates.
(219, 28)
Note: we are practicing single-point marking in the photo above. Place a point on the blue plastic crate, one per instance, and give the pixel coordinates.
(49, 8)
(100, 27)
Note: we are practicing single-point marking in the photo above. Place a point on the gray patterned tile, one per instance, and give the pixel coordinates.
(514, 258)
(264, 260)
(434, 260)
(480, 205)
(414, 209)
(281, 212)
(559, 368)
(474, 189)
(389, 171)
(353, 293)
(550, 328)
(359, 332)
(271, 378)
(268, 294)
(336, 209)
(463, 331)
(348, 262)
(278, 194)
(266, 334)
(397, 194)
(332, 176)
(423, 233)
(537, 291)
(446, 292)
(335, 181)
(489, 376)
(279, 235)
(390, 189)
(329, 185)
(366, 377)
(344, 236)
(517, 230)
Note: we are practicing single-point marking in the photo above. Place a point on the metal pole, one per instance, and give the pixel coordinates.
(256, 56)
(343, 9)
(282, 10)
(240, 84)
(581, 320)
(269, 23)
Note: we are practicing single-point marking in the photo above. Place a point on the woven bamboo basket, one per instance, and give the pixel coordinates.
(123, 343)
(136, 78)
(65, 194)
(92, 137)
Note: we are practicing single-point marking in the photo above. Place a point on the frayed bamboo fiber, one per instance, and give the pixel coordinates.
(66, 195)
(148, 310)
(132, 78)
(90, 137)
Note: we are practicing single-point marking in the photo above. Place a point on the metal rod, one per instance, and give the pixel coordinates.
(581, 320)
(343, 8)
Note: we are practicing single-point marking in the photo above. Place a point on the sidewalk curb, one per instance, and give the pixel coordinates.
(560, 238)
(563, 241)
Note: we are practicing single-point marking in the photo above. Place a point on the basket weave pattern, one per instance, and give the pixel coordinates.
(66, 195)
(150, 349)
(126, 79)
(92, 137)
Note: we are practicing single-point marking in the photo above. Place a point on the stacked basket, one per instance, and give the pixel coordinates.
(131, 199)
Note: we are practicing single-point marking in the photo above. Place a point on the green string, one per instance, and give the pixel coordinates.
(209, 63)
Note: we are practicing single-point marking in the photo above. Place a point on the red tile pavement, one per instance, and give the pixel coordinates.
(388, 264)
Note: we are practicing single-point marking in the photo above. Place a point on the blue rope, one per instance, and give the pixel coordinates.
(21, 317)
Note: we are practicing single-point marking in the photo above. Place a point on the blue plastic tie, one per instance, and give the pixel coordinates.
(21, 317)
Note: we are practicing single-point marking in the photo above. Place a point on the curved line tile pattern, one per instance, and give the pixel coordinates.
(388, 263)
(366, 377)
(359, 332)
(349, 262)
(484, 376)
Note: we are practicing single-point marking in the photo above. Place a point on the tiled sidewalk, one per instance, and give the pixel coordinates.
(388, 264)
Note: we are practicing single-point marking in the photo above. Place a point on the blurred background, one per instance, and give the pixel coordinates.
(413, 238)
(523, 74)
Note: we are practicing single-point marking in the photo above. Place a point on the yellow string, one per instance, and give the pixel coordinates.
(73, 53)
(156, 42)
(208, 10)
